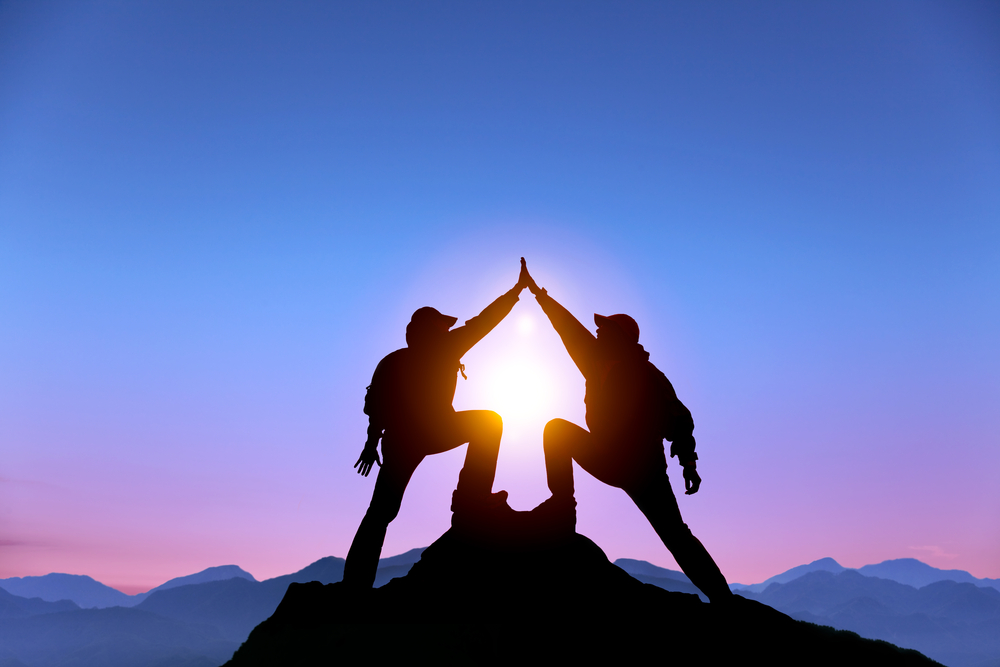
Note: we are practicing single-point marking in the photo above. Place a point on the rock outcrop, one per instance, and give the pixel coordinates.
(472, 602)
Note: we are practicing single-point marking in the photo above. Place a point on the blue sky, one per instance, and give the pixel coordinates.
(216, 218)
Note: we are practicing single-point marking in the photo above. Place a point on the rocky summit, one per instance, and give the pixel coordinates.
(477, 601)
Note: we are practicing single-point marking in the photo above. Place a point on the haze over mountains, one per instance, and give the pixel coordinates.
(194, 621)
(957, 624)
(909, 571)
(202, 618)
(947, 615)
(88, 593)
(91, 594)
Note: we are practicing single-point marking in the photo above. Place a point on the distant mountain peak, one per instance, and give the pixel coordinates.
(909, 571)
(918, 574)
(55, 586)
(822, 565)
(216, 573)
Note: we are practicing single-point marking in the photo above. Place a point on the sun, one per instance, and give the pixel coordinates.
(519, 372)
(520, 390)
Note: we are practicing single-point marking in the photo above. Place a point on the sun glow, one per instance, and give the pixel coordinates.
(521, 371)
(520, 390)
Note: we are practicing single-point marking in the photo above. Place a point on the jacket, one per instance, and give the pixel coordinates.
(628, 399)
(415, 385)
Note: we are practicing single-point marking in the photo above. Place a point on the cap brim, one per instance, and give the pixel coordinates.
(601, 320)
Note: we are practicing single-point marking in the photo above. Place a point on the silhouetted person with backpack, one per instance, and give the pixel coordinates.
(409, 407)
(631, 408)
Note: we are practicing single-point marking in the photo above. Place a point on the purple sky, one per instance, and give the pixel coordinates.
(216, 218)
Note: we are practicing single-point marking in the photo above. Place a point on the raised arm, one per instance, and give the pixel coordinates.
(579, 341)
(474, 330)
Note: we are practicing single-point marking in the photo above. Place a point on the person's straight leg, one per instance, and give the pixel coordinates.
(363, 556)
(656, 500)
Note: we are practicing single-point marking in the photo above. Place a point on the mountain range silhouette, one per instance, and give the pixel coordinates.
(909, 571)
(202, 624)
(91, 594)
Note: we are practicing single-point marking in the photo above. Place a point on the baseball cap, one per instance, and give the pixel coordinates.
(624, 323)
(431, 317)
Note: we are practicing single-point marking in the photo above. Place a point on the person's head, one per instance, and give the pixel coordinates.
(616, 334)
(427, 325)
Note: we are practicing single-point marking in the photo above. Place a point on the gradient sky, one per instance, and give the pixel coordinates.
(216, 218)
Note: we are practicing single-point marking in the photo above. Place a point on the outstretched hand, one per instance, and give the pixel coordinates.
(692, 480)
(525, 279)
(369, 457)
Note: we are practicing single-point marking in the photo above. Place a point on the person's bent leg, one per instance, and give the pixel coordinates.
(482, 429)
(657, 502)
(560, 441)
(363, 556)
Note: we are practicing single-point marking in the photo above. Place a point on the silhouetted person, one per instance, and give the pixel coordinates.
(631, 408)
(409, 407)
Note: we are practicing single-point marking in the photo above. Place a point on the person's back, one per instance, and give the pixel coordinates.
(412, 386)
(623, 400)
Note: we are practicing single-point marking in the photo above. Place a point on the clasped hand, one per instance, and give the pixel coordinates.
(525, 280)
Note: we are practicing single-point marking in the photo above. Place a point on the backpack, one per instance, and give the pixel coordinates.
(409, 385)
(385, 379)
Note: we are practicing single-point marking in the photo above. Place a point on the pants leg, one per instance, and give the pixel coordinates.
(657, 502)
(648, 486)
(560, 440)
(482, 429)
(362, 558)
(564, 442)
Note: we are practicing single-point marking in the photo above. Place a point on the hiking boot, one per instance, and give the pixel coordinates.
(485, 518)
(557, 515)
(463, 502)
